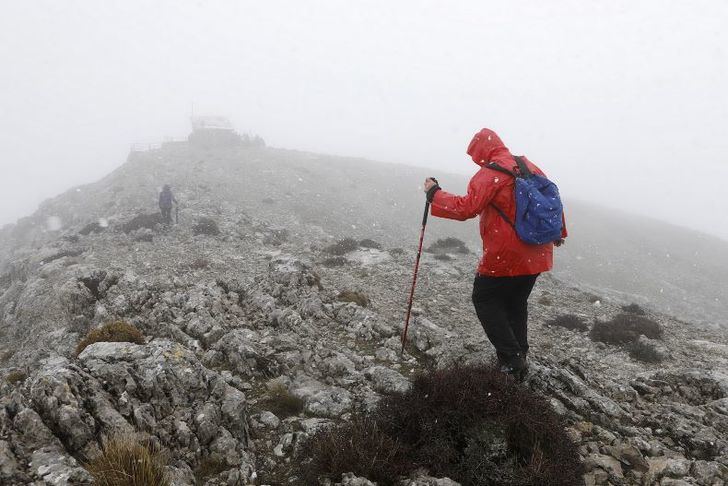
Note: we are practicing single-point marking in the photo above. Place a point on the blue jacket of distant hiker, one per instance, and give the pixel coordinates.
(504, 254)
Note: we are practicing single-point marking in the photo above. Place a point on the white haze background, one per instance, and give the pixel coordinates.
(624, 103)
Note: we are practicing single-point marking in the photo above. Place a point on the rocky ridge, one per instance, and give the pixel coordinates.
(231, 317)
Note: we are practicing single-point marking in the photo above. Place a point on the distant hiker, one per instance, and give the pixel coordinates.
(166, 199)
(509, 266)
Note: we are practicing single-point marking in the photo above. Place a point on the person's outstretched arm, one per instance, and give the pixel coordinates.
(481, 190)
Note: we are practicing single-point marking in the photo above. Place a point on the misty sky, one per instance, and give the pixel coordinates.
(624, 103)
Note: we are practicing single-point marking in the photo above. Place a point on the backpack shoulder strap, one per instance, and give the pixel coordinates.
(499, 168)
(503, 215)
(522, 166)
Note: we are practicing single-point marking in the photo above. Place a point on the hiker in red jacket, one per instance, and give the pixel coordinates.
(509, 267)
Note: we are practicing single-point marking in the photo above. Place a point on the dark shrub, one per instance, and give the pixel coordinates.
(147, 221)
(126, 460)
(443, 257)
(94, 227)
(593, 299)
(361, 446)
(113, 332)
(336, 261)
(545, 300)
(206, 226)
(645, 352)
(62, 254)
(282, 402)
(625, 328)
(634, 309)
(199, 263)
(210, 467)
(352, 296)
(569, 321)
(396, 251)
(6, 356)
(448, 245)
(342, 247)
(472, 424)
(367, 243)
(268, 200)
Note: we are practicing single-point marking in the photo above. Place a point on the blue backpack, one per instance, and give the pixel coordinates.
(538, 206)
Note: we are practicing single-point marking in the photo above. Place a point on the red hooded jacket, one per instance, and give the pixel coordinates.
(504, 254)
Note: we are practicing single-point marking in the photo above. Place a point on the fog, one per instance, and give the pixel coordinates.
(623, 103)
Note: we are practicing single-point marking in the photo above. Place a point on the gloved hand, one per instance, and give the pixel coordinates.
(431, 187)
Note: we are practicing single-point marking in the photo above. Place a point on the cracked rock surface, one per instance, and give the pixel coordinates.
(239, 324)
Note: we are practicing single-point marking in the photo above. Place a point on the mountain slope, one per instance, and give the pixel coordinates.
(231, 316)
(619, 255)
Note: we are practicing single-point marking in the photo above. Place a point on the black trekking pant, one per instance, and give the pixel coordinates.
(502, 307)
(166, 215)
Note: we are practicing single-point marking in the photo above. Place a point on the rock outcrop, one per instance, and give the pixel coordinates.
(249, 349)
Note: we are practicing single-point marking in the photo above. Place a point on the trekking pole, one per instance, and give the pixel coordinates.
(414, 277)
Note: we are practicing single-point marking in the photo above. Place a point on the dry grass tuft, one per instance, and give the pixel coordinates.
(358, 298)
(16, 376)
(112, 332)
(125, 460)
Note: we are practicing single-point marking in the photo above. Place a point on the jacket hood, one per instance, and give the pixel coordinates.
(486, 146)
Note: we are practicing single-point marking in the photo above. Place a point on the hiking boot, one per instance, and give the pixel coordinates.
(516, 367)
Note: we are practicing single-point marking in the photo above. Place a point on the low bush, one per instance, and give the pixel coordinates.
(206, 226)
(645, 352)
(545, 300)
(593, 299)
(199, 263)
(210, 467)
(396, 251)
(448, 245)
(625, 328)
(6, 356)
(16, 376)
(281, 401)
(367, 243)
(127, 460)
(471, 424)
(112, 332)
(635, 309)
(337, 261)
(358, 298)
(94, 227)
(569, 321)
(147, 221)
(443, 257)
(342, 247)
